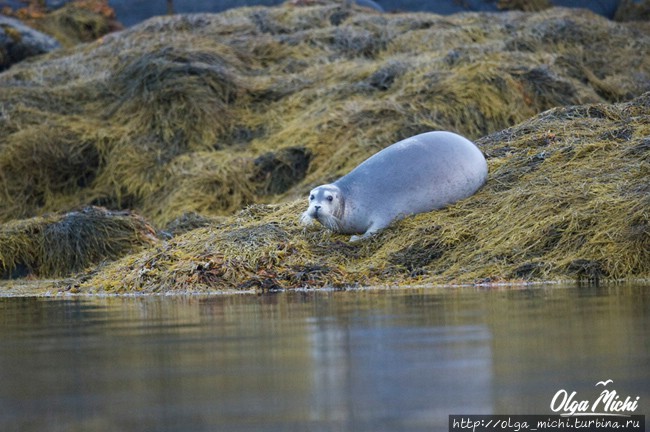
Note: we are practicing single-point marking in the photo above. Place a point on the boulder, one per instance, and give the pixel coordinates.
(18, 42)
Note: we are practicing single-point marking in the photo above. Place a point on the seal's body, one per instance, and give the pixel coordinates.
(415, 175)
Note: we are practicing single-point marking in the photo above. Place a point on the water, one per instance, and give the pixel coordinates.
(372, 360)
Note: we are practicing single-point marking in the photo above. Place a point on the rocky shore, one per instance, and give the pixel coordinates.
(192, 141)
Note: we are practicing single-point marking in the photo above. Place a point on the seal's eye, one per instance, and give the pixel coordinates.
(330, 198)
(311, 197)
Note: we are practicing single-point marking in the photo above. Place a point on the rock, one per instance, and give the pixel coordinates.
(234, 117)
(18, 42)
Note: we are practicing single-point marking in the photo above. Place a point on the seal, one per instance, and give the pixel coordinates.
(416, 175)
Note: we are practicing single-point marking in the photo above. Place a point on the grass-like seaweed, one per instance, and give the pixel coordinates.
(233, 117)
(63, 244)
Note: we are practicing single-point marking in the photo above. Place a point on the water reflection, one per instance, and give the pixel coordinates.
(405, 376)
(350, 361)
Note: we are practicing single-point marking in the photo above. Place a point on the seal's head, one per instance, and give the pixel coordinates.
(326, 205)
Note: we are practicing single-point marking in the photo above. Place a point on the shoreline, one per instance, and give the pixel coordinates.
(28, 291)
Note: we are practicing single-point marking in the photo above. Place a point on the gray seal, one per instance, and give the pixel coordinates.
(416, 175)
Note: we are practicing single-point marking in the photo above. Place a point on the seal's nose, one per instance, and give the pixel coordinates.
(317, 207)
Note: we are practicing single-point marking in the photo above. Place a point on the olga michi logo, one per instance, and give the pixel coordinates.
(608, 403)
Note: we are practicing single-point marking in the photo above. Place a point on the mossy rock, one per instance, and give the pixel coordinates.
(566, 199)
(248, 109)
(178, 114)
(72, 23)
(62, 244)
(19, 42)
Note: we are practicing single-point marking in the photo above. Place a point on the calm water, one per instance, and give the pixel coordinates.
(372, 360)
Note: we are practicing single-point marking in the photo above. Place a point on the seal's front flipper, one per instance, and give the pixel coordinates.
(375, 228)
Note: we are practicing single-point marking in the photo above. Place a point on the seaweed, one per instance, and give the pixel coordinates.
(147, 103)
(233, 117)
(631, 10)
(62, 244)
(75, 22)
(578, 214)
(279, 171)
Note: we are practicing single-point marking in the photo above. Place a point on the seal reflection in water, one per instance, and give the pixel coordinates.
(415, 175)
